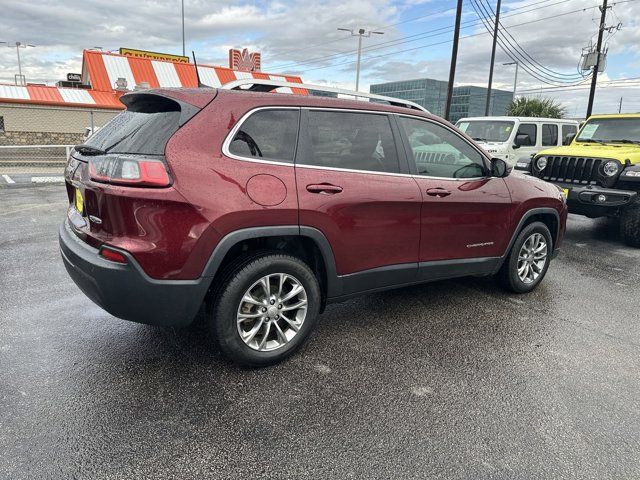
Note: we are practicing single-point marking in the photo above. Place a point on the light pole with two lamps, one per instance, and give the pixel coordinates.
(18, 46)
(361, 32)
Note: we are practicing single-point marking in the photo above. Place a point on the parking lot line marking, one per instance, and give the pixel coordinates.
(8, 179)
(29, 207)
(47, 179)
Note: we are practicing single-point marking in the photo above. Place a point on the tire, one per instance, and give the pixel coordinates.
(272, 331)
(509, 276)
(630, 226)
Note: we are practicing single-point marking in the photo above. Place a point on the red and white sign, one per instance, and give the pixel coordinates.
(244, 61)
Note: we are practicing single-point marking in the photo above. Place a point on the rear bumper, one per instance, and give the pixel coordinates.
(126, 291)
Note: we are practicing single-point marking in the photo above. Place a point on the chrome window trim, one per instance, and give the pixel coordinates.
(482, 153)
(236, 127)
(232, 133)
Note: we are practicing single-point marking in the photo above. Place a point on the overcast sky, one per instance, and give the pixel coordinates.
(300, 37)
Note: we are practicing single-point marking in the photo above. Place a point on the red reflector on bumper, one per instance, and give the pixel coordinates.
(112, 255)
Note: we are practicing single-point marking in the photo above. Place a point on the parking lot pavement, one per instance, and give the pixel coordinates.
(449, 380)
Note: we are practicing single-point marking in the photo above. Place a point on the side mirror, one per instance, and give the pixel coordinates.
(522, 140)
(499, 168)
(568, 138)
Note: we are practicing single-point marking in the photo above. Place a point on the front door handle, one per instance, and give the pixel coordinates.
(324, 188)
(438, 192)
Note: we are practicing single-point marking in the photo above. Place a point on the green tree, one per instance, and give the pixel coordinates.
(535, 107)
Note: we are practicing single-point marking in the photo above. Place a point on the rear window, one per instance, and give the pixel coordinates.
(144, 128)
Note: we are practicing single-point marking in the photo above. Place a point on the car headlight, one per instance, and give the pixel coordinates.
(611, 168)
(541, 163)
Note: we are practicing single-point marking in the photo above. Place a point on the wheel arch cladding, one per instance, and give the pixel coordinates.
(306, 243)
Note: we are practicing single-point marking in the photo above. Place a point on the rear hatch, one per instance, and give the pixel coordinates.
(119, 183)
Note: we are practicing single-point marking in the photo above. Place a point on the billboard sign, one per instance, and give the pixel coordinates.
(167, 57)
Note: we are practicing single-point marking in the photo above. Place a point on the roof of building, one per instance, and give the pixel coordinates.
(102, 69)
(56, 96)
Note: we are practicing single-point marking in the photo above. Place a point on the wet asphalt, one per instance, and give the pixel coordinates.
(452, 380)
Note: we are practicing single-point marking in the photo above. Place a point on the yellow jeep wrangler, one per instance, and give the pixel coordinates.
(599, 170)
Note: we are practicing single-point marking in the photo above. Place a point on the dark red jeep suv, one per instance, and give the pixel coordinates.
(264, 207)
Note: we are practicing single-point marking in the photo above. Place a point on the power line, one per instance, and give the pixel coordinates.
(462, 37)
(517, 56)
(419, 36)
(524, 52)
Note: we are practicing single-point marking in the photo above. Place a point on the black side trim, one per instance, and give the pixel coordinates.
(380, 277)
(215, 260)
(407, 274)
(463, 267)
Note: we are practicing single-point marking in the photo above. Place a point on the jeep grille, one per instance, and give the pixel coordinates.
(579, 170)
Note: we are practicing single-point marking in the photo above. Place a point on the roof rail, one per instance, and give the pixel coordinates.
(260, 85)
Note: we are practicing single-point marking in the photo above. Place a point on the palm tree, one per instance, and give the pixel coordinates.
(535, 107)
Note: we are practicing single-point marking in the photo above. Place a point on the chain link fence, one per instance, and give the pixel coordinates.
(38, 139)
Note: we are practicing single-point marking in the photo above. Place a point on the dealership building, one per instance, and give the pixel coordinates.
(35, 114)
(467, 101)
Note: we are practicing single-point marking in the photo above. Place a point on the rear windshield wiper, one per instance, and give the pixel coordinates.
(88, 150)
(479, 139)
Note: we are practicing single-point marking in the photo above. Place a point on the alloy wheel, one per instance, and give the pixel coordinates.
(532, 258)
(271, 312)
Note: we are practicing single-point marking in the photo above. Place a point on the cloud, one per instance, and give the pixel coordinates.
(289, 33)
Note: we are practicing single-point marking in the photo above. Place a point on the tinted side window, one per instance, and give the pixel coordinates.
(1, 124)
(549, 134)
(568, 130)
(268, 135)
(531, 130)
(439, 152)
(358, 141)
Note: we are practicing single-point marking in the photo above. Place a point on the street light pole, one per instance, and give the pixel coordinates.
(183, 49)
(515, 79)
(18, 46)
(361, 32)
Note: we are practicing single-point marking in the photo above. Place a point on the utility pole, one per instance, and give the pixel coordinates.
(454, 59)
(515, 79)
(183, 50)
(620, 106)
(594, 78)
(493, 57)
(18, 46)
(361, 32)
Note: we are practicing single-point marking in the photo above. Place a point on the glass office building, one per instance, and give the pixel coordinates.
(467, 101)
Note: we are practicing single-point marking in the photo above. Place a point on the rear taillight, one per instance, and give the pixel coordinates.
(133, 171)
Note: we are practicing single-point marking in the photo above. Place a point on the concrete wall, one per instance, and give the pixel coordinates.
(43, 125)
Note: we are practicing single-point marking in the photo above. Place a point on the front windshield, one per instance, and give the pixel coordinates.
(487, 130)
(610, 130)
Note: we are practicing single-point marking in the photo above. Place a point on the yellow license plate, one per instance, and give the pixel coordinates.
(566, 192)
(79, 202)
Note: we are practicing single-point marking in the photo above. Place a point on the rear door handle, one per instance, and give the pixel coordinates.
(438, 192)
(324, 188)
